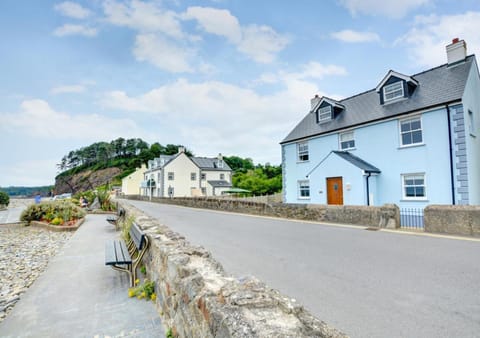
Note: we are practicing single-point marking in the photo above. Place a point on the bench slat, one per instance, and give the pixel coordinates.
(137, 236)
(116, 252)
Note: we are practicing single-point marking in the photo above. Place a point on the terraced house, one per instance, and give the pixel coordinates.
(182, 176)
(412, 141)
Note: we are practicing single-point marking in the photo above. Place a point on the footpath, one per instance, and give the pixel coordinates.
(78, 296)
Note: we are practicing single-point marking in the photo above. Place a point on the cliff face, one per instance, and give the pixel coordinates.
(85, 180)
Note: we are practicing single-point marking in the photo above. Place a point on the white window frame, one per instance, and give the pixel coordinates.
(303, 154)
(171, 176)
(387, 90)
(414, 176)
(411, 119)
(301, 186)
(193, 176)
(340, 141)
(203, 176)
(324, 114)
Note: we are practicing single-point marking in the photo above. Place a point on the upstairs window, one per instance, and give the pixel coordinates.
(414, 186)
(203, 176)
(171, 176)
(411, 132)
(393, 91)
(302, 151)
(347, 141)
(193, 176)
(222, 176)
(324, 114)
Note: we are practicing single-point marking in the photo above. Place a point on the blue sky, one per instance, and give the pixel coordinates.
(219, 76)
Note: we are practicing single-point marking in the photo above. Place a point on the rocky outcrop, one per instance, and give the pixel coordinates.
(85, 180)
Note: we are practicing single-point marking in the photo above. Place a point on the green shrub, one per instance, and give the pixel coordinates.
(4, 198)
(54, 212)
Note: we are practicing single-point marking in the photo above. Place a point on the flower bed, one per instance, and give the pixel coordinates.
(58, 215)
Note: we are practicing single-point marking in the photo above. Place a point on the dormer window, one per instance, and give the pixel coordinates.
(393, 91)
(324, 114)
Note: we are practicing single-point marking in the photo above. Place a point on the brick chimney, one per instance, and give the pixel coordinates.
(314, 101)
(456, 51)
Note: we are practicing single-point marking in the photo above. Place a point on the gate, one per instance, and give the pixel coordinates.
(411, 218)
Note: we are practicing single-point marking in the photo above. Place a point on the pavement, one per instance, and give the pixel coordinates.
(78, 296)
(14, 210)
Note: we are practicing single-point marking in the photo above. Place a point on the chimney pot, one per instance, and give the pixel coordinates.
(455, 40)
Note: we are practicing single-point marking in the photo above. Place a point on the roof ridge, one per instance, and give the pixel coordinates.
(422, 72)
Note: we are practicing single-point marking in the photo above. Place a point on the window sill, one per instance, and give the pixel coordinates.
(348, 149)
(395, 100)
(414, 200)
(303, 198)
(412, 145)
(303, 161)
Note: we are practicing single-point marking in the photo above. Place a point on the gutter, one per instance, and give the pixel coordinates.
(452, 174)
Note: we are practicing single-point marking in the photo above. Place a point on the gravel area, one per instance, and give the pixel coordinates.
(25, 252)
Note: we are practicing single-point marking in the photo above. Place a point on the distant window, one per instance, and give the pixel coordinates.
(302, 151)
(304, 189)
(471, 125)
(325, 114)
(347, 141)
(411, 131)
(204, 176)
(393, 91)
(222, 176)
(204, 191)
(414, 186)
(171, 176)
(193, 176)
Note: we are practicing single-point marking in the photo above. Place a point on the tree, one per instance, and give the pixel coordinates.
(4, 198)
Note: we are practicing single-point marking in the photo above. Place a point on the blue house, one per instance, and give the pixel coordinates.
(412, 141)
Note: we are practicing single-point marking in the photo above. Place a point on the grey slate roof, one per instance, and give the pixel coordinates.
(436, 86)
(219, 183)
(357, 161)
(209, 163)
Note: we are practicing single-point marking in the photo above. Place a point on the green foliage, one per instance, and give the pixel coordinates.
(4, 198)
(145, 290)
(259, 179)
(169, 333)
(54, 212)
(143, 269)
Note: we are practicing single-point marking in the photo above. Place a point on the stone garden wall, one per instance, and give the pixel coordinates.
(453, 219)
(387, 216)
(196, 298)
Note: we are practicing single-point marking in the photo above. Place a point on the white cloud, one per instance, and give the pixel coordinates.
(311, 70)
(429, 35)
(352, 36)
(216, 21)
(37, 119)
(69, 29)
(259, 42)
(72, 10)
(144, 17)
(391, 9)
(162, 53)
(214, 116)
(262, 43)
(68, 89)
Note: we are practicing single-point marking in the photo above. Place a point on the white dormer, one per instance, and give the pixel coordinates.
(395, 86)
(326, 109)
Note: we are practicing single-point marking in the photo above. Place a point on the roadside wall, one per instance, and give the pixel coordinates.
(196, 298)
(453, 219)
(387, 216)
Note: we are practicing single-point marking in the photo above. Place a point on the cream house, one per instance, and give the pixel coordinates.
(182, 176)
(131, 183)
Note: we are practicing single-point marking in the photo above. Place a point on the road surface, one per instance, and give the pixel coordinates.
(364, 283)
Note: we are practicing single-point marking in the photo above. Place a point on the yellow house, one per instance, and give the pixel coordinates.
(131, 183)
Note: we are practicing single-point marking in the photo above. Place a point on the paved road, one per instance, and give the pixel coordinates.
(365, 283)
(14, 210)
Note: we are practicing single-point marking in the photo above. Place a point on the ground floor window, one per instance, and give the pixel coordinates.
(414, 186)
(304, 189)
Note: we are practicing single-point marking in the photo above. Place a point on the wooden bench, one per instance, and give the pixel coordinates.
(115, 219)
(126, 256)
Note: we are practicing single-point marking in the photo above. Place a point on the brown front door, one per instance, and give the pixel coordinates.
(334, 190)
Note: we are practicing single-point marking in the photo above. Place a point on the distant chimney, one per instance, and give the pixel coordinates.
(456, 51)
(220, 156)
(181, 150)
(314, 102)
